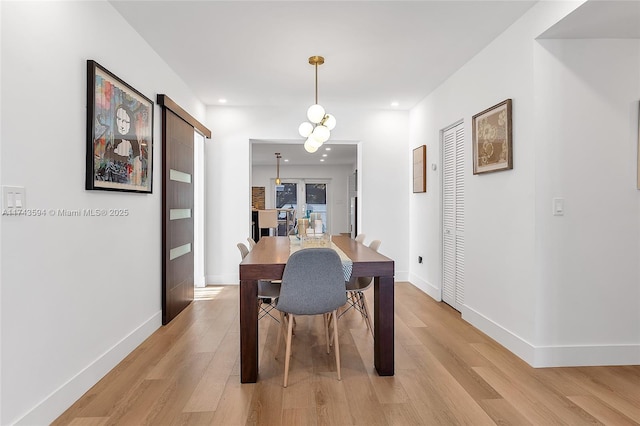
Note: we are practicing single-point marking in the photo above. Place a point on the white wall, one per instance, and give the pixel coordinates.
(1, 222)
(587, 139)
(384, 188)
(520, 264)
(337, 189)
(78, 293)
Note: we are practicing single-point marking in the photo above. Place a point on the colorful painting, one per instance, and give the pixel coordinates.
(119, 134)
(492, 139)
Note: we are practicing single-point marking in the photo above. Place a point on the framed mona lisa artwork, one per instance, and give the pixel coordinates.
(119, 134)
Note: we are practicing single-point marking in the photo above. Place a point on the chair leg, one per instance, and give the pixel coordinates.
(287, 355)
(283, 324)
(366, 310)
(329, 321)
(326, 330)
(335, 342)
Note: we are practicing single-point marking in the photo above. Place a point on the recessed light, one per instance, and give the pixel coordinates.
(324, 155)
(327, 149)
(286, 160)
(322, 159)
(222, 101)
(394, 104)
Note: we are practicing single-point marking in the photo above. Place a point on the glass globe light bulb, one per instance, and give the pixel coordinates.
(305, 129)
(309, 146)
(315, 113)
(330, 121)
(321, 134)
(314, 142)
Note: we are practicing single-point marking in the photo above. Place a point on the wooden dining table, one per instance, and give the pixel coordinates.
(267, 260)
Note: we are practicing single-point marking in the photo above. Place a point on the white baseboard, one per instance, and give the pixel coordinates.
(62, 398)
(579, 356)
(554, 356)
(514, 343)
(426, 286)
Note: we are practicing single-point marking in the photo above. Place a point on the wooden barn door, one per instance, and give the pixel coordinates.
(177, 208)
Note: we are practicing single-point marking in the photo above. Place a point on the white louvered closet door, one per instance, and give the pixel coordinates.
(453, 216)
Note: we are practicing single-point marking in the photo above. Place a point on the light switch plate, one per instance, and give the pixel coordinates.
(558, 206)
(13, 198)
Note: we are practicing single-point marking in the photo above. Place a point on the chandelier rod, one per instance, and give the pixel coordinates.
(316, 60)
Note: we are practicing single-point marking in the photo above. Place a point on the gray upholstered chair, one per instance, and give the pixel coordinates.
(360, 238)
(355, 290)
(268, 291)
(312, 284)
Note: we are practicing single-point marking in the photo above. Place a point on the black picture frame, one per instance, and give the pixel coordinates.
(119, 134)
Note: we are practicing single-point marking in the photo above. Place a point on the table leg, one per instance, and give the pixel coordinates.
(383, 325)
(248, 331)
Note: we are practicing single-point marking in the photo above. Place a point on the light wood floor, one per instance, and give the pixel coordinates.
(447, 372)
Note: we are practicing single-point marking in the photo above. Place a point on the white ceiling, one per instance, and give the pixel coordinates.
(376, 52)
(600, 19)
(255, 53)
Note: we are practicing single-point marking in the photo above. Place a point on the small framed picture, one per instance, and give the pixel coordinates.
(638, 146)
(492, 141)
(119, 134)
(419, 169)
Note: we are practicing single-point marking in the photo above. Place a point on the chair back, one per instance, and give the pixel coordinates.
(252, 242)
(364, 282)
(267, 218)
(244, 251)
(312, 282)
(375, 245)
(360, 238)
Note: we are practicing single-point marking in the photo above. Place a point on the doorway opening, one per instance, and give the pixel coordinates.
(321, 183)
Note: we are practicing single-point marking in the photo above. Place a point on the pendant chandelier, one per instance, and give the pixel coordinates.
(278, 157)
(318, 129)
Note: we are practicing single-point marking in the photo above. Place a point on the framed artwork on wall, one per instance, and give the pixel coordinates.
(119, 134)
(419, 169)
(492, 140)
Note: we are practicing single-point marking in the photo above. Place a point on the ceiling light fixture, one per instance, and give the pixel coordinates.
(278, 157)
(318, 130)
